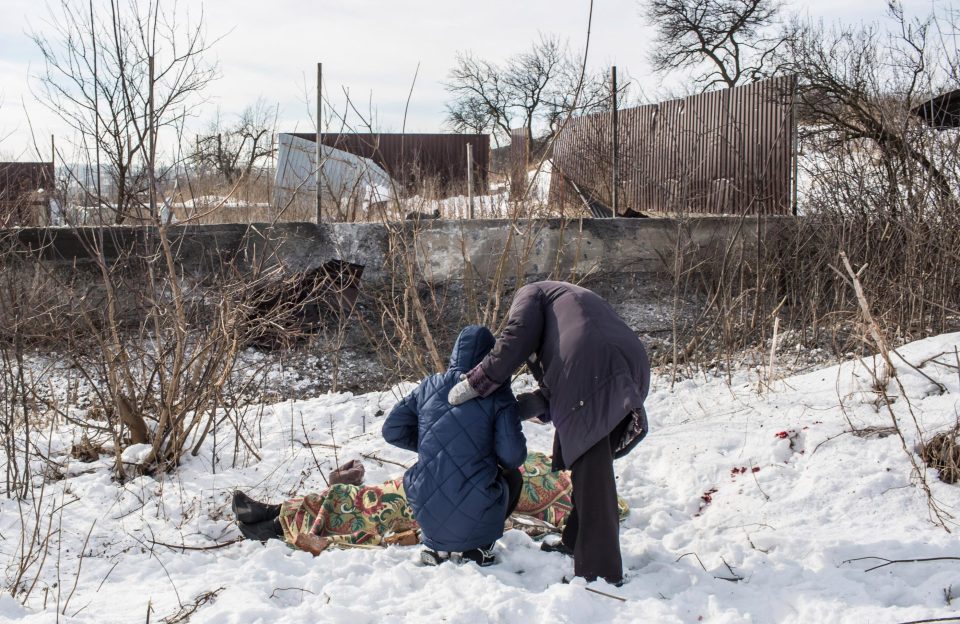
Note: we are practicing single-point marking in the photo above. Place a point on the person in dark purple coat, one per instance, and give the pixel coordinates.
(594, 375)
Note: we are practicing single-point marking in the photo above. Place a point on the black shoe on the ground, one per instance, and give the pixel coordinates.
(432, 557)
(557, 547)
(249, 511)
(619, 583)
(262, 531)
(483, 557)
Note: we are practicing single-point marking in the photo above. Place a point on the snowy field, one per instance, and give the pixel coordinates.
(748, 504)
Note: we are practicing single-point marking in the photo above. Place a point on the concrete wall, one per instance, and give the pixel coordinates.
(444, 250)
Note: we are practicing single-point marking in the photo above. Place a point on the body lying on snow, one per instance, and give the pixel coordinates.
(593, 374)
(350, 514)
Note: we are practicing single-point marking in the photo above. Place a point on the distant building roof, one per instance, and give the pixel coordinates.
(941, 112)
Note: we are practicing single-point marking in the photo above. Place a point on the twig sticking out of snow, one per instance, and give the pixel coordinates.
(187, 611)
(377, 458)
(893, 561)
(596, 591)
(185, 547)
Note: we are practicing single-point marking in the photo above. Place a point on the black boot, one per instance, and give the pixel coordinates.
(483, 557)
(433, 557)
(557, 547)
(249, 511)
(262, 531)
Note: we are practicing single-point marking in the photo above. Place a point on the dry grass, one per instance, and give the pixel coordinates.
(942, 452)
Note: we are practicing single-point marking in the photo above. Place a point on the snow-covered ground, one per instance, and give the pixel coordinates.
(749, 503)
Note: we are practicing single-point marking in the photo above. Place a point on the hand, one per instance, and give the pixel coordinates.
(532, 405)
(537, 421)
(462, 392)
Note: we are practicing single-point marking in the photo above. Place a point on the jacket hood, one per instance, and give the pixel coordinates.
(472, 345)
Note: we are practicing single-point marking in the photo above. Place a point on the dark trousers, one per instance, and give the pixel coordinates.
(593, 527)
(514, 486)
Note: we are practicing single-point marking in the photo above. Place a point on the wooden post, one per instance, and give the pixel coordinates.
(53, 182)
(615, 138)
(96, 103)
(153, 142)
(470, 178)
(319, 177)
(793, 142)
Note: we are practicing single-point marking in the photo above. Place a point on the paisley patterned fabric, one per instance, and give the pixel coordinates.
(547, 495)
(368, 516)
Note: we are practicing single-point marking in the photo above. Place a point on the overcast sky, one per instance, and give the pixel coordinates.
(269, 49)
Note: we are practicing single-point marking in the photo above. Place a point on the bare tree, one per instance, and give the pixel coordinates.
(729, 41)
(858, 91)
(530, 75)
(97, 78)
(481, 102)
(533, 87)
(235, 151)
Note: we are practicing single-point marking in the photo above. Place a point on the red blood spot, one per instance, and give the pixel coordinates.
(783, 435)
(756, 469)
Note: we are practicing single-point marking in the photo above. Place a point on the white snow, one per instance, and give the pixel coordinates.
(761, 482)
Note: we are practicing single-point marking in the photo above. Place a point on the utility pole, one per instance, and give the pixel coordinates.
(319, 176)
(616, 141)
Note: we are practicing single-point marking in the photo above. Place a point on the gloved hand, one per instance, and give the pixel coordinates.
(462, 392)
(532, 406)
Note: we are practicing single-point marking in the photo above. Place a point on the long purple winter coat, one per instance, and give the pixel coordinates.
(592, 368)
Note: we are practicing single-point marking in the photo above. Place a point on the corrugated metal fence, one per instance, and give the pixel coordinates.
(723, 152)
(519, 160)
(415, 159)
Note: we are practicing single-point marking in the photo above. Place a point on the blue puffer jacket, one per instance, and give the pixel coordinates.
(455, 490)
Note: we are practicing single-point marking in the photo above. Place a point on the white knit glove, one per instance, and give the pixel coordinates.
(462, 392)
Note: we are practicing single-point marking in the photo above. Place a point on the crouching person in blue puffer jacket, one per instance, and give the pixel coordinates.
(466, 480)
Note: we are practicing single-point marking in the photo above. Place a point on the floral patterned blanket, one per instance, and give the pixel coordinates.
(376, 515)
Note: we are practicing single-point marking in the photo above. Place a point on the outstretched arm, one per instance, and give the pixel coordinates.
(509, 443)
(401, 426)
(521, 337)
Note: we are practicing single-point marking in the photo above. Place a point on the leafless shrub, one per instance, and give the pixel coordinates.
(942, 453)
(115, 80)
(236, 151)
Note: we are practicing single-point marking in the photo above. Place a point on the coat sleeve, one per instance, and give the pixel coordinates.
(520, 338)
(401, 428)
(509, 443)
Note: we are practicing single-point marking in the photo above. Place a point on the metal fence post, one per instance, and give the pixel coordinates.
(616, 141)
(470, 178)
(319, 143)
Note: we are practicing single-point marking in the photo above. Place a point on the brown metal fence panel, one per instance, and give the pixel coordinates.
(723, 152)
(21, 203)
(417, 159)
(518, 160)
